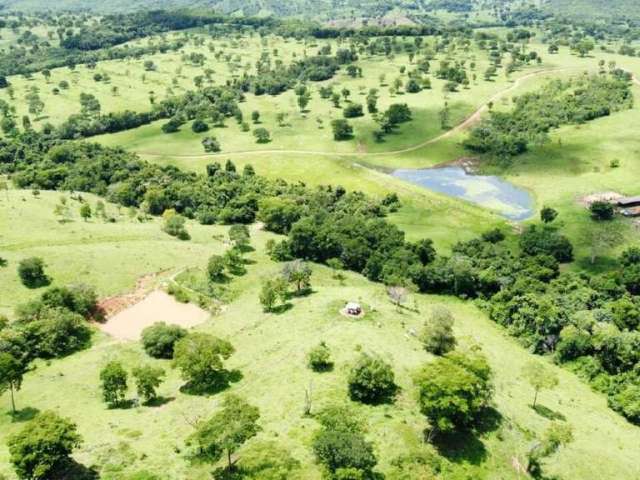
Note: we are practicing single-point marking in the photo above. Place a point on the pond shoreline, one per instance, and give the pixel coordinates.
(459, 179)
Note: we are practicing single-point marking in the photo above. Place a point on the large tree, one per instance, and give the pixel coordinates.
(371, 380)
(42, 449)
(200, 358)
(454, 389)
(226, 431)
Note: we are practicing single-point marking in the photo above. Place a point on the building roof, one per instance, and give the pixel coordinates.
(353, 306)
(629, 201)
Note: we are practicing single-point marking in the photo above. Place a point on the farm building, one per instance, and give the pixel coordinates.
(627, 202)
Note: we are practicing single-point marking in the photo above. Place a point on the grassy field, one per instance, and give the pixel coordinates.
(270, 354)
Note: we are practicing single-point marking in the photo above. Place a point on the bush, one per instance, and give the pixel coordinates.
(371, 380)
(159, 339)
(174, 226)
(341, 130)
(215, 268)
(494, 235)
(199, 126)
(211, 144)
(601, 210)
(353, 110)
(340, 444)
(31, 272)
(262, 135)
(173, 125)
(413, 86)
(319, 358)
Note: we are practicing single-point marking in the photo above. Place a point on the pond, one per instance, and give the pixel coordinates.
(487, 191)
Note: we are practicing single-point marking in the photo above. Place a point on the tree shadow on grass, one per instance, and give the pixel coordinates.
(159, 401)
(76, 471)
(124, 404)
(461, 447)
(489, 421)
(24, 415)
(466, 447)
(280, 309)
(548, 413)
(220, 384)
(303, 292)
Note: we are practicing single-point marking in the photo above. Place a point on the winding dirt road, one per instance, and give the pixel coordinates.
(468, 122)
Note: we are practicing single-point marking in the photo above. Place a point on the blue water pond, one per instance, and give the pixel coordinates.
(487, 191)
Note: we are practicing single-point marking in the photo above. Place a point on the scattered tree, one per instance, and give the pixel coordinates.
(371, 380)
(12, 371)
(114, 383)
(319, 358)
(31, 272)
(148, 379)
(540, 377)
(159, 339)
(226, 431)
(200, 358)
(42, 449)
(437, 336)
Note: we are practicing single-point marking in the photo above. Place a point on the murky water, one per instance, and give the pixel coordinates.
(487, 191)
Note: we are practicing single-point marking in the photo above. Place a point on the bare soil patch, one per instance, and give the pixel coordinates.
(611, 197)
(158, 306)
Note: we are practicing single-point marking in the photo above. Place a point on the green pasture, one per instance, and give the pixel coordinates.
(271, 351)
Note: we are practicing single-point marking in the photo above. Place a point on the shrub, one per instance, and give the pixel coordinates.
(353, 110)
(319, 358)
(371, 380)
(601, 210)
(31, 272)
(211, 144)
(341, 130)
(159, 339)
(199, 126)
(262, 135)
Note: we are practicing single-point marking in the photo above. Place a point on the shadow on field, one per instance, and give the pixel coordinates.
(159, 401)
(466, 447)
(76, 471)
(548, 413)
(220, 384)
(461, 447)
(26, 414)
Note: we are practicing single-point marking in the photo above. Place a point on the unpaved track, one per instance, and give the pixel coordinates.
(469, 121)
